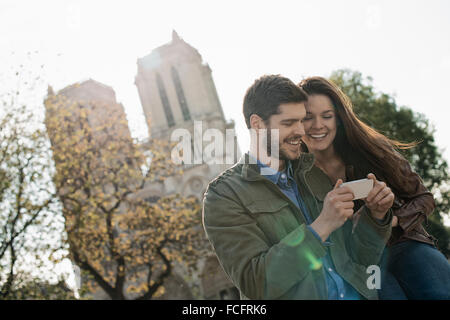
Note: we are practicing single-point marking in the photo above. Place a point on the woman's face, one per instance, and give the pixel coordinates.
(320, 123)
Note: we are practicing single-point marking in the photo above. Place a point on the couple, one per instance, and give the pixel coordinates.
(283, 228)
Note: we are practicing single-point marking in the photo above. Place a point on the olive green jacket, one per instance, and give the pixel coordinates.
(260, 237)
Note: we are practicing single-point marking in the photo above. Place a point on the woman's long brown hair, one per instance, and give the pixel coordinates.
(357, 143)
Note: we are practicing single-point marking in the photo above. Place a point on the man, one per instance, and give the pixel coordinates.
(265, 224)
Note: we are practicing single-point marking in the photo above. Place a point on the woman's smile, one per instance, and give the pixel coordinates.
(318, 136)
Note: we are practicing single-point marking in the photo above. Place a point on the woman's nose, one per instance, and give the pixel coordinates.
(317, 124)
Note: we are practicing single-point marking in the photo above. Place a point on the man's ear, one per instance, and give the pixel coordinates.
(256, 122)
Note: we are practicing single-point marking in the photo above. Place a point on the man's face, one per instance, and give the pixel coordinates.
(290, 126)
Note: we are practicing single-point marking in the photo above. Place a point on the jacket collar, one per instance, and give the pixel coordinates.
(251, 171)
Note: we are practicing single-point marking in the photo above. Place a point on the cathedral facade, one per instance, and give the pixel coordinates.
(177, 93)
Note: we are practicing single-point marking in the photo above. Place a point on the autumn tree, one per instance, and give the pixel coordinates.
(27, 286)
(400, 123)
(29, 225)
(124, 242)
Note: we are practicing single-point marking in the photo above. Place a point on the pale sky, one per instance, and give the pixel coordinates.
(403, 45)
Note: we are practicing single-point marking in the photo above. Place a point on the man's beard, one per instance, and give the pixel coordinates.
(282, 154)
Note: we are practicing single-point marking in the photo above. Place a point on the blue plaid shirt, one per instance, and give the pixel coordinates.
(338, 288)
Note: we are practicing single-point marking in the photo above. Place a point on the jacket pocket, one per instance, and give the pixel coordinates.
(266, 206)
(274, 217)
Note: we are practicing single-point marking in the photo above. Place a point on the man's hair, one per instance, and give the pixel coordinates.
(267, 93)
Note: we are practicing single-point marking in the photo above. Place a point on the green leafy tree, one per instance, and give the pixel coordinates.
(400, 123)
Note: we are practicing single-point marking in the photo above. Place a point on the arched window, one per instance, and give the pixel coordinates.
(165, 101)
(180, 95)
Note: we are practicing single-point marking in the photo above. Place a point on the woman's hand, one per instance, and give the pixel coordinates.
(379, 199)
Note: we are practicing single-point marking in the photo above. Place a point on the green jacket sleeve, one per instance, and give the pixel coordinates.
(257, 268)
(368, 237)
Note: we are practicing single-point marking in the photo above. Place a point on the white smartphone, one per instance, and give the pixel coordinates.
(360, 188)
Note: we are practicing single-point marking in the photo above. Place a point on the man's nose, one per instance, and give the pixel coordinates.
(300, 129)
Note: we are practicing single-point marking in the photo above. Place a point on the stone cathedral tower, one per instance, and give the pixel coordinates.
(177, 91)
(176, 87)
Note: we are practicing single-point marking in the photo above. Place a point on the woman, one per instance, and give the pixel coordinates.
(346, 148)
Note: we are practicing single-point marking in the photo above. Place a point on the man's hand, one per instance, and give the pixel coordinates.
(337, 208)
(379, 199)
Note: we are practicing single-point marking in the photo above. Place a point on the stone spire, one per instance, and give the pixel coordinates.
(175, 36)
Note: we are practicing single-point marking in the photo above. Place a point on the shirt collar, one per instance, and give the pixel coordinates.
(275, 175)
(251, 172)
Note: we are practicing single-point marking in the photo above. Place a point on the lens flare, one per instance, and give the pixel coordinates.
(316, 264)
